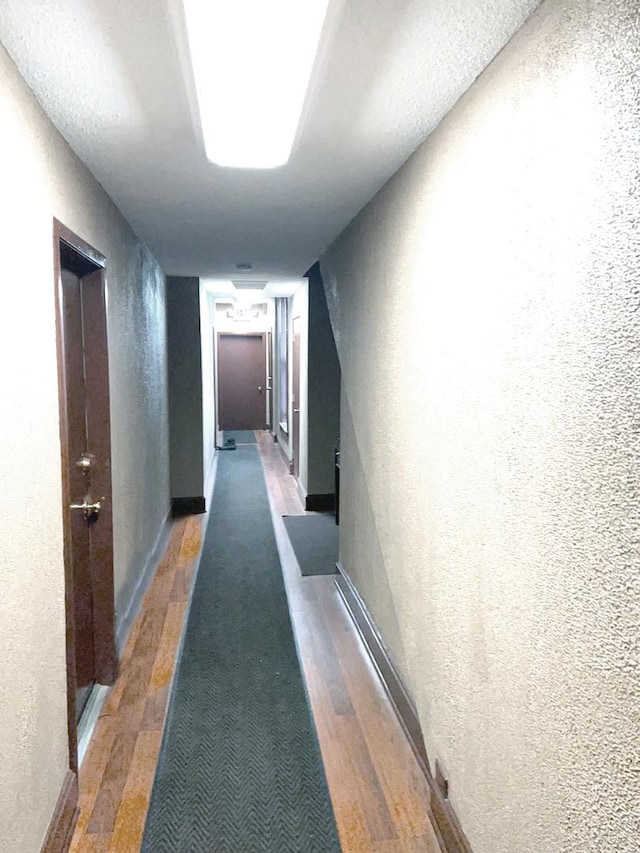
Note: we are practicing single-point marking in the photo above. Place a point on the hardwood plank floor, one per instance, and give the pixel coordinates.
(380, 797)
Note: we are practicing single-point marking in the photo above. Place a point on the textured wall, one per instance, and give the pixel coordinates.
(184, 347)
(486, 311)
(41, 178)
(323, 407)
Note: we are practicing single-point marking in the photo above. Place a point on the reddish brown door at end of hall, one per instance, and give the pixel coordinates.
(242, 374)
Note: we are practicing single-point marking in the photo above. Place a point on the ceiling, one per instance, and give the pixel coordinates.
(114, 77)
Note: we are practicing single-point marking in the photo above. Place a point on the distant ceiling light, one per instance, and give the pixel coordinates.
(252, 62)
(247, 284)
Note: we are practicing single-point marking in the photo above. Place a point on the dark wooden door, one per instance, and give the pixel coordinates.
(242, 373)
(86, 469)
(295, 394)
(79, 486)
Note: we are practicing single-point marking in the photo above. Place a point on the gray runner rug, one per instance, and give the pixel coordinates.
(240, 436)
(240, 768)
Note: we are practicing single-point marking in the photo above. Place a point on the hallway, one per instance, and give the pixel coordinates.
(438, 275)
(379, 795)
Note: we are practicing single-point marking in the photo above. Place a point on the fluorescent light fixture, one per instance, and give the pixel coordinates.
(252, 62)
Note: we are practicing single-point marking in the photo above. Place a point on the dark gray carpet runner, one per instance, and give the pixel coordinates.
(240, 769)
(315, 542)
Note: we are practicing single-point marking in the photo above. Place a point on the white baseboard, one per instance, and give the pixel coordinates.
(302, 492)
(210, 476)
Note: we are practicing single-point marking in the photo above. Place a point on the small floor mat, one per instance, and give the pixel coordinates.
(315, 542)
(241, 436)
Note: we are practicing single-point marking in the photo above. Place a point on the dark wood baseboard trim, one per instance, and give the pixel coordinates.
(188, 506)
(450, 832)
(320, 503)
(387, 672)
(63, 821)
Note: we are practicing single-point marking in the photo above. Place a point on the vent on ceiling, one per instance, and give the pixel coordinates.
(245, 266)
(245, 284)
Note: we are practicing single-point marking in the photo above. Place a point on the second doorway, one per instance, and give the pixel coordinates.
(242, 381)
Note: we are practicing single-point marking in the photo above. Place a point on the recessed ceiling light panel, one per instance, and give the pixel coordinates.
(252, 62)
(247, 284)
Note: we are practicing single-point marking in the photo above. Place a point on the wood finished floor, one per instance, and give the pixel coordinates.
(380, 797)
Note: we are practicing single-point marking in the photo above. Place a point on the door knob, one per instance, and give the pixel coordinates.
(296, 411)
(260, 388)
(90, 508)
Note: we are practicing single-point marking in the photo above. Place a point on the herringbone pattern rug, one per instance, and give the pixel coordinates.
(240, 768)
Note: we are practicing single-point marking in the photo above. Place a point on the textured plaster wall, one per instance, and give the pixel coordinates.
(41, 178)
(486, 309)
(323, 408)
(184, 347)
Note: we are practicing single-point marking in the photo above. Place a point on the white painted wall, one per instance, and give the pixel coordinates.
(207, 309)
(41, 178)
(281, 338)
(262, 323)
(485, 305)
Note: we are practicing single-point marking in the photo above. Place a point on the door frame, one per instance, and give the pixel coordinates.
(73, 253)
(270, 384)
(238, 333)
(294, 429)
